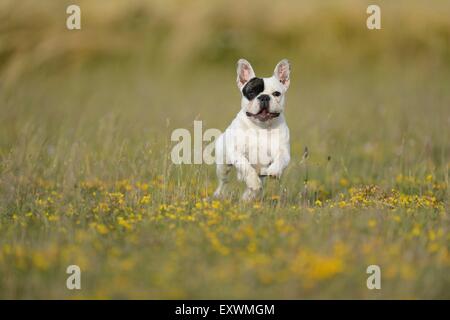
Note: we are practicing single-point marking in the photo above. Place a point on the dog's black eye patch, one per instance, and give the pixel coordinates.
(252, 88)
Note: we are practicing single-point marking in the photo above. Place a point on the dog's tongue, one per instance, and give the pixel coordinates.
(263, 115)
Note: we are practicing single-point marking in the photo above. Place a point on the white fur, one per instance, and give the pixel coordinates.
(247, 136)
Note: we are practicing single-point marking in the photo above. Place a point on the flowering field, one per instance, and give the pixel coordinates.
(130, 245)
(86, 177)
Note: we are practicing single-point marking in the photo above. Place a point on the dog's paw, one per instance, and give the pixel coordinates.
(273, 172)
(253, 181)
(263, 172)
(250, 194)
(218, 194)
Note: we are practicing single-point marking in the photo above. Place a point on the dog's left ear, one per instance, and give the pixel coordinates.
(244, 72)
(282, 72)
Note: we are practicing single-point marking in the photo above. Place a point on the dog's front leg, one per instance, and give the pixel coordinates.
(248, 174)
(279, 164)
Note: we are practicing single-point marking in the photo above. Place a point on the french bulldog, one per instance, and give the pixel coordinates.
(257, 141)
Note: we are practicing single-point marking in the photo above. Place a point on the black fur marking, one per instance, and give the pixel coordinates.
(252, 88)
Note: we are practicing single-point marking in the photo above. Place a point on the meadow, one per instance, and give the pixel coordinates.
(86, 177)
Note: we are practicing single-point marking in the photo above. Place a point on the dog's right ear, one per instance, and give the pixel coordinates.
(244, 72)
(282, 72)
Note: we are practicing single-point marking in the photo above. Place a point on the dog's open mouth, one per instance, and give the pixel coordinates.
(263, 115)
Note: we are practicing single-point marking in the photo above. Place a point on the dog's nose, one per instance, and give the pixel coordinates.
(264, 100)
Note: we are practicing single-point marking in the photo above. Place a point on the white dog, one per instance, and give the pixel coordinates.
(257, 141)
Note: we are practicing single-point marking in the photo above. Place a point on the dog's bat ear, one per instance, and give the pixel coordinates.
(282, 72)
(244, 72)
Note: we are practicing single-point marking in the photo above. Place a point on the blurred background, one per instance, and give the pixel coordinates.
(165, 36)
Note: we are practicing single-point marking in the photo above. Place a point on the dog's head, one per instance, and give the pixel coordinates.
(263, 98)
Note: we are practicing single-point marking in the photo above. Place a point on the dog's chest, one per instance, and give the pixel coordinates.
(260, 146)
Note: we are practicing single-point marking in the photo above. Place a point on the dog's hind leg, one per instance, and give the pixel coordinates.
(222, 171)
(222, 168)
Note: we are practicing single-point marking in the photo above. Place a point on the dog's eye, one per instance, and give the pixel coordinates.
(276, 93)
(251, 95)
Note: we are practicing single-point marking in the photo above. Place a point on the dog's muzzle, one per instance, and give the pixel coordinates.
(264, 101)
(263, 115)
